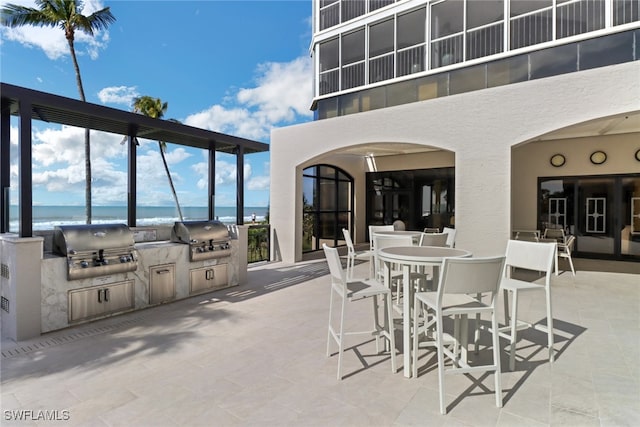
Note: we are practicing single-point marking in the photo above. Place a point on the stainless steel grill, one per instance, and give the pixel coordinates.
(94, 250)
(206, 239)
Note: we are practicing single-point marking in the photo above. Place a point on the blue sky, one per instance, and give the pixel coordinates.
(237, 67)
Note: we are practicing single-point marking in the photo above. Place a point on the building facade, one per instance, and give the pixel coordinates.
(489, 116)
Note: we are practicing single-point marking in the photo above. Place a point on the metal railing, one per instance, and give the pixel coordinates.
(258, 243)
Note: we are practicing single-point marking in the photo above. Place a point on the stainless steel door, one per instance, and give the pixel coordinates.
(208, 278)
(96, 301)
(162, 283)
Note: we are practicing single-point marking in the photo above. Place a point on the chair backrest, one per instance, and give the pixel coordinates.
(338, 276)
(348, 240)
(431, 230)
(554, 233)
(470, 275)
(451, 236)
(568, 244)
(433, 239)
(531, 255)
(388, 242)
(375, 228)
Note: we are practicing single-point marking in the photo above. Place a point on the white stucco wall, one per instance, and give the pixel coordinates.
(479, 127)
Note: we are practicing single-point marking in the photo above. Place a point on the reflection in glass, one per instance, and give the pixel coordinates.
(507, 71)
(604, 51)
(554, 61)
(467, 79)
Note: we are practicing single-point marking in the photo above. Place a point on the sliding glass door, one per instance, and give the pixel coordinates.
(603, 212)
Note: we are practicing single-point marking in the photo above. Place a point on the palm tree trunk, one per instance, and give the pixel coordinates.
(173, 188)
(87, 140)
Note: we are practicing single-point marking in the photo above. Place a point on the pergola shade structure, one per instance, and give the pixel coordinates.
(30, 104)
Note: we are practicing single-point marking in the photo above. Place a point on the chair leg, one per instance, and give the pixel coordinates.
(506, 307)
(341, 337)
(514, 331)
(416, 334)
(329, 329)
(376, 322)
(392, 334)
(439, 344)
(549, 326)
(496, 358)
(573, 271)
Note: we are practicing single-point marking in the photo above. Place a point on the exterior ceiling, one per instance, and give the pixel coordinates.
(613, 125)
(66, 111)
(386, 149)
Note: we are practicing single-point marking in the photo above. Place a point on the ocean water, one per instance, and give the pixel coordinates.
(46, 217)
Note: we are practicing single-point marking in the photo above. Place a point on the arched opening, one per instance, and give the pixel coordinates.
(327, 204)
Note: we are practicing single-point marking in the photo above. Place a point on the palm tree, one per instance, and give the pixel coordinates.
(67, 15)
(154, 107)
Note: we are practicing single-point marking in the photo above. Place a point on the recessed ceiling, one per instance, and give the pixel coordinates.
(386, 149)
(612, 125)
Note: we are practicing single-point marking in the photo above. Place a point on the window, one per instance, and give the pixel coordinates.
(329, 13)
(381, 51)
(485, 28)
(352, 9)
(554, 61)
(577, 17)
(411, 42)
(625, 11)
(446, 32)
(531, 22)
(353, 59)
(327, 199)
(613, 49)
(328, 64)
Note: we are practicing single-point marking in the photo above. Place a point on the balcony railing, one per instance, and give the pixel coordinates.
(258, 243)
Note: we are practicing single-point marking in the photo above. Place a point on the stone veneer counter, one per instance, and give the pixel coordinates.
(56, 287)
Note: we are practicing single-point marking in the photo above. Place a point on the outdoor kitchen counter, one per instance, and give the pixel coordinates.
(56, 287)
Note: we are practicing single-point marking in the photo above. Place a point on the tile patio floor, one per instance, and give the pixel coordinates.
(255, 355)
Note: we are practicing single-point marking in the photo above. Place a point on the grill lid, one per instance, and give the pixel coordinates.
(197, 232)
(72, 239)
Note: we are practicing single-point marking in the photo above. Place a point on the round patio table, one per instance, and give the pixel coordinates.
(413, 257)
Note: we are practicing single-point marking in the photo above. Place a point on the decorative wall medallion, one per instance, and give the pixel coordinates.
(598, 157)
(557, 160)
(638, 155)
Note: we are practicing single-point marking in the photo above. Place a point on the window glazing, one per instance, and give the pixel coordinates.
(353, 59)
(381, 43)
(327, 199)
(577, 56)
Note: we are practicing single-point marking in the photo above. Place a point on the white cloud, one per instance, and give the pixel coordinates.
(284, 90)
(52, 40)
(258, 183)
(283, 94)
(118, 95)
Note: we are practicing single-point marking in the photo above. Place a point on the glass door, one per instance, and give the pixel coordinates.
(603, 212)
(630, 212)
